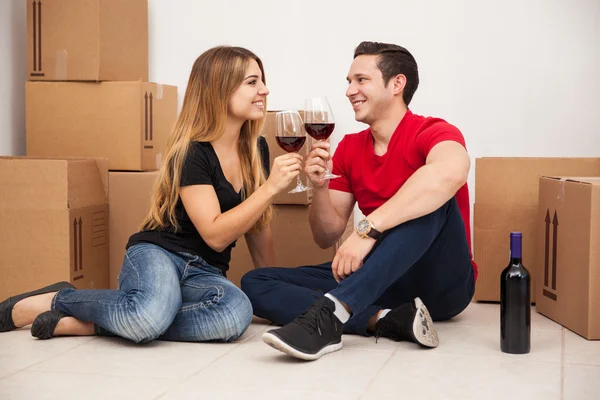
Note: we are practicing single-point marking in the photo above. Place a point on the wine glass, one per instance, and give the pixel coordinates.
(291, 137)
(319, 123)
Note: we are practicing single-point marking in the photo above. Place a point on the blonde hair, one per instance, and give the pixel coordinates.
(215, 76)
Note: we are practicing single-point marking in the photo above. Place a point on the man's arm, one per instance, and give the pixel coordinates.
(261, 247)
(430, 187)
(328, 215)
(330, 209)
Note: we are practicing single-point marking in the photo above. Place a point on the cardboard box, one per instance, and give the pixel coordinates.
(87, 40)
(506, 199)
(54, 216)
(129, 203)
(568, 245)
(270, 133)
(126, 122)
(293, 242)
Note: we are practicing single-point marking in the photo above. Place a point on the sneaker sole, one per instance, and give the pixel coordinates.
(280, 345)
(423, 329)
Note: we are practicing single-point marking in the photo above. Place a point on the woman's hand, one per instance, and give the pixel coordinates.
(285, 168)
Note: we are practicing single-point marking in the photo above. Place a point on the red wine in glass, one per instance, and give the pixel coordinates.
(319, 123)
(291, 144)
(320, 131)
(290, 137)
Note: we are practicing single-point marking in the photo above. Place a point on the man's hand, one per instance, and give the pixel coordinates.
(316, 161)
(349, 257)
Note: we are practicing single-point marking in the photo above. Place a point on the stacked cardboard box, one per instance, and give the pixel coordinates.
(126, 122)
(89, 109)
(129, 199)
(568, 251)
(87, 95)
(87, 40)
(506, 199)
(54, 217)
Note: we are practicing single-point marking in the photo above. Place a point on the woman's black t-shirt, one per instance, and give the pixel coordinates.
(201, 167)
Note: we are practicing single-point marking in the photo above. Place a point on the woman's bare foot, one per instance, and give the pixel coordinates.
(26, 310)
(70, 326)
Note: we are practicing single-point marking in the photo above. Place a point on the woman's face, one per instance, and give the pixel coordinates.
(248, 100)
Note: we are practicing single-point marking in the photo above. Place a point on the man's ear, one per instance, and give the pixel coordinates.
(399, 83)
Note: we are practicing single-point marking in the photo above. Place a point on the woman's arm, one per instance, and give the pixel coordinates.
(218, 229)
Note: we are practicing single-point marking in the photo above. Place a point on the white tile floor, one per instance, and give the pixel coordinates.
(468, 364)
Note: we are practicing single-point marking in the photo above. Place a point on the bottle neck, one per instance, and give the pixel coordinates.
(515, 249)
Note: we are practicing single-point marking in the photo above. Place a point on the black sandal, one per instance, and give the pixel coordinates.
(44, 325)
(6, 307)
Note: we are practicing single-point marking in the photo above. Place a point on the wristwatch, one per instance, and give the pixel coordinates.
(365, 229)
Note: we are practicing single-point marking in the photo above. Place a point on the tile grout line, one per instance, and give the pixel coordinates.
(582, 364)
(43, 371)
(179, 382)
(14, 371)
(387, 361)
(175, 380)
(494, 326)
(498, 356)
(28, 368)
(562, 364)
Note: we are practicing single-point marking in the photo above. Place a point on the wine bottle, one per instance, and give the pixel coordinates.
(515, 302)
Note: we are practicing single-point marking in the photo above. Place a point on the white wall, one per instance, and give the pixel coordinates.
(13, 64)
(518, 77)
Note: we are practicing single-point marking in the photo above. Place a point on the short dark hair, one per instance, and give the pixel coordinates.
(393, 60)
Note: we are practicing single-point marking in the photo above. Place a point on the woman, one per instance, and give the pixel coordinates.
(210, 191)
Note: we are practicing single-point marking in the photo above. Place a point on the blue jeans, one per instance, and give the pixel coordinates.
(163, 295)
(427, 257)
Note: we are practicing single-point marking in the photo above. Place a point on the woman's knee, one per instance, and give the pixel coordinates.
(152, 294)
(239, 316)
(145, 319)
(224, 319)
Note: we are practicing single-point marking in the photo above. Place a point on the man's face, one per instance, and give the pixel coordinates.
(366, 91)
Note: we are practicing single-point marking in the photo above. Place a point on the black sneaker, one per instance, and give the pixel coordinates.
(408, 322)
(314, 333)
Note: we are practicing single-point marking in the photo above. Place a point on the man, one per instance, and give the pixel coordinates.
(408, 174)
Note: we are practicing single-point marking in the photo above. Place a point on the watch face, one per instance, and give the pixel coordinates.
(363, 227)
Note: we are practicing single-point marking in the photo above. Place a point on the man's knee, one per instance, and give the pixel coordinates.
(247, 280)
(254, 279)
